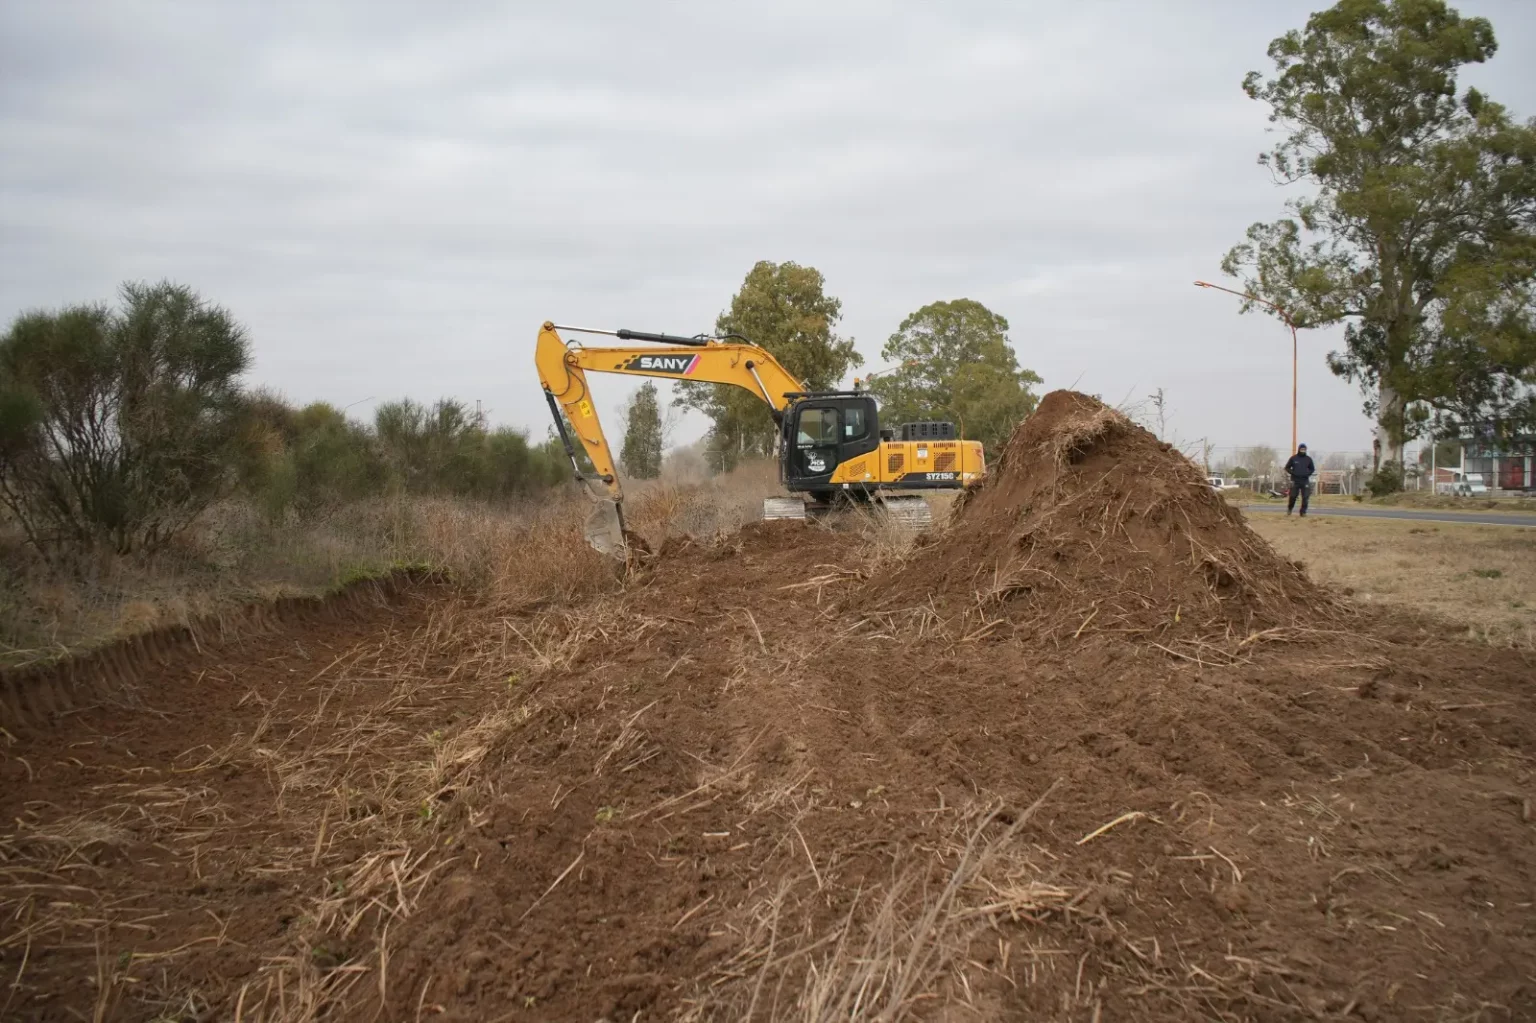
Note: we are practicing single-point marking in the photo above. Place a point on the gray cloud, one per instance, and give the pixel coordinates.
(393, 196)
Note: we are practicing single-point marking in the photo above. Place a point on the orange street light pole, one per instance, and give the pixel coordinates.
(1289, 323)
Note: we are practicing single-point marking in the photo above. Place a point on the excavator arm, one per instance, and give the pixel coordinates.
(563, 368)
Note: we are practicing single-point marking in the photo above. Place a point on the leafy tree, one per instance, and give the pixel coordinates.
(784, 308)
(430, 449)
(1261, 460)
(1446, 453)
(1416, 229)
(119, 427)
(641, 454)
(956, 361)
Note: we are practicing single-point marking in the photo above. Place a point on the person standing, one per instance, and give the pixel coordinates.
(1301, 469)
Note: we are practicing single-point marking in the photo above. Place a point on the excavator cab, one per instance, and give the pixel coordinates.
(821, 432)
(833, 451)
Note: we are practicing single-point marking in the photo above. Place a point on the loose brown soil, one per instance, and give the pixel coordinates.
(1088, 522)
(1093, 753)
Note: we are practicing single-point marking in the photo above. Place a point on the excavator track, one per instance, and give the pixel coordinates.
(783, 508)
(913, 512)
(909, 511)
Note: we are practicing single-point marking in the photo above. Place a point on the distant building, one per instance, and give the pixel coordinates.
(1445, 475)
(1503, 463)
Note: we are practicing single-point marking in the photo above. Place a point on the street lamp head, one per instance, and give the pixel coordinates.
(1204, 284)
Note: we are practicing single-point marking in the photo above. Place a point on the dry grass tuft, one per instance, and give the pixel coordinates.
(884, 542)
(892, 950)
(522, 555)
(522, 559)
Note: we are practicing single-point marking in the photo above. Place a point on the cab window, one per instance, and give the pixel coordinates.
(818, 428)
(854, 426)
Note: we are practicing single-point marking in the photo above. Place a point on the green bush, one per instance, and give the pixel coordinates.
(512, 467)
(308, 462)
(441, 450)
(1387, 479)
(118, 427)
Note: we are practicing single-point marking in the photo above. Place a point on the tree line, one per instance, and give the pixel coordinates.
(1417, 231)
(952, 360)
(118, 427)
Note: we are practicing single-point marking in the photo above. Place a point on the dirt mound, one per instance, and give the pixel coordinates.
(735, 792)
(733, 797)
(1088, 522)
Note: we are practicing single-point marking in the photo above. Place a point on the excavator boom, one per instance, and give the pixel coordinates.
(563, 368)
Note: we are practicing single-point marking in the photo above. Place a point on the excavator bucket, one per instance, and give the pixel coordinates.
(605, 530)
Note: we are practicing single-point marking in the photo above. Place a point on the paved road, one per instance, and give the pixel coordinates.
(1421, 515)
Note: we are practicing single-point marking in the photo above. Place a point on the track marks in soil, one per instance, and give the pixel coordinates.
(236, 835)
(803, 805)
(673, 803)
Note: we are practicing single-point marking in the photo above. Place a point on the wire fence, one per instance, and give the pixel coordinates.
(1476, 464)
(1261, 468)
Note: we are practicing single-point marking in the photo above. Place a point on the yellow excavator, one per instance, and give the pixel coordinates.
(832, 450)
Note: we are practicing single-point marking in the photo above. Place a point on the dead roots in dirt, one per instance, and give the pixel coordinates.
(1088, 524)
(895, 942)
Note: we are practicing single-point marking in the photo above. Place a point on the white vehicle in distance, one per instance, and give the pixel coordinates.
(1471, 485)
(1218, 483)
(1465, 484)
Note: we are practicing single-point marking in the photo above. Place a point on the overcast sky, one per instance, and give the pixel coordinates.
(393, 196)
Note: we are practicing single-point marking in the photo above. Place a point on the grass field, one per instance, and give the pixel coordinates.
(1480, 577)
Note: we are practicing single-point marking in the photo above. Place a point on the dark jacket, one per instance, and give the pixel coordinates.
(1300, 467)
